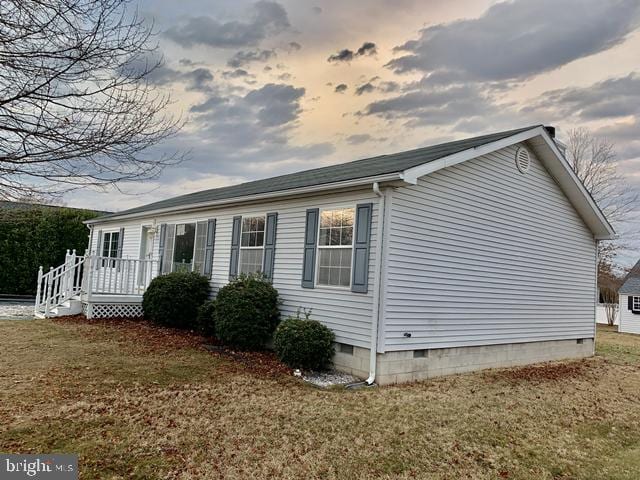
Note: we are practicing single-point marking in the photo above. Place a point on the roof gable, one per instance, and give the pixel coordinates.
(631, 284)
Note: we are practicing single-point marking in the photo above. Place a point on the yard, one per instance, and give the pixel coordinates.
(142, 402)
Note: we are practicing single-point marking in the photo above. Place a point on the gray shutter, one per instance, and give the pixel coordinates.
(99, 244)
(310, 243)
(120, 242)
(162, 242)
(235, 248)
(208, 249)
(269, 256)
(362, 235)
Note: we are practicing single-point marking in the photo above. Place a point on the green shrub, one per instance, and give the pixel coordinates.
(304, 343)
(173, 300)
(247, 312)
(207, 318)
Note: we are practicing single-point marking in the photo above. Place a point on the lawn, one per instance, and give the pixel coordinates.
(139, 402)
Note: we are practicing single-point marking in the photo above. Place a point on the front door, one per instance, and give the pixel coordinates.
(146, 253)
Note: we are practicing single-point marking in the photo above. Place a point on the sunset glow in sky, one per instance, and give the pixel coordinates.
(273, 87)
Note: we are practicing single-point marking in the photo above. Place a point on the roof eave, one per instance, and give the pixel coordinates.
(280, 194)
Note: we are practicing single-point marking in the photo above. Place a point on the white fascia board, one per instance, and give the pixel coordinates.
(411, 175)
(553, 160)
(281, 194)
(558, 167)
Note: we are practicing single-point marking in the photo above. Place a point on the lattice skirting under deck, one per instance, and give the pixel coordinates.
(113, 310)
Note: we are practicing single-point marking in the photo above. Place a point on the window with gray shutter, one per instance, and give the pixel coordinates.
(167, 257)
(208, 251)
(161, 243)
(269, 245)
(310, 242)
(235, 248)
(362, 236)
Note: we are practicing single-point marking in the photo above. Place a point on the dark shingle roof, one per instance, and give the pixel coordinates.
(368, 167)
(631, 285)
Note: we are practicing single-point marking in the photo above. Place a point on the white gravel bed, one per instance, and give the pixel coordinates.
(16, 311)
(329, 379)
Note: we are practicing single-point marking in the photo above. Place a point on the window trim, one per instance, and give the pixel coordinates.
(264, 235)
(318, 247)
(104, 236)
(195, 221)
(635, 303)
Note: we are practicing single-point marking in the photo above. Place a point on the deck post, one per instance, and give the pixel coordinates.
(47, 307)
(39, 288)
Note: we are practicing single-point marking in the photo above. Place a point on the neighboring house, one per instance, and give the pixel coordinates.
(471, 254)
(629, 308)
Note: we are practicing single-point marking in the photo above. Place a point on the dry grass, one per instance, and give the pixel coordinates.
(137, 402)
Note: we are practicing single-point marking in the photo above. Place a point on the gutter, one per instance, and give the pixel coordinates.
(375, 317)
(397, 176)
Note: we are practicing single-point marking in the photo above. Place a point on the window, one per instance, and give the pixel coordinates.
(251, 244)
(636, 304)
(110, 242)
(335, 245)
(185, 247)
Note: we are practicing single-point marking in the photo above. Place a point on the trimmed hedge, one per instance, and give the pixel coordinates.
(247, 312)
(304, 343)
(173, 300)
(32, 235)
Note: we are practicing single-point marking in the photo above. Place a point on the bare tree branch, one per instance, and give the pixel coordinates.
(75, 109)
(594, 161)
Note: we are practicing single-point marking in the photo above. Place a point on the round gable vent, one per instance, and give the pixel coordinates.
(523, 161)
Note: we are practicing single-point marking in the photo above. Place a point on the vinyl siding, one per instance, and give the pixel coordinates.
(481, 254)
(629, 322)
(348, 314)
(131, 242)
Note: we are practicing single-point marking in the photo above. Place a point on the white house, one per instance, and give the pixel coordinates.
(629, 308)
(471, 254)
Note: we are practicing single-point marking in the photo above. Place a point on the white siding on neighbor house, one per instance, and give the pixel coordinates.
(481, 254)
(629, 322)
(348, 314)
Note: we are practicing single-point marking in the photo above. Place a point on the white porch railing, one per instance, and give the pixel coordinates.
(87, 275)
(118, 276)
(59, 284)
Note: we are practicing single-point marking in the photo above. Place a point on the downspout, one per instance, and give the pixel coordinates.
(377, 289)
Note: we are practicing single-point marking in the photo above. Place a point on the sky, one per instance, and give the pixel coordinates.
(271, 87)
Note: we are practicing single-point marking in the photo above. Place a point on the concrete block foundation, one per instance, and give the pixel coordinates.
(412, 365)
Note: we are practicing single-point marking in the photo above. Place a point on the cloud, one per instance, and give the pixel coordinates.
(237, 73)
(346, 55)
(198, 80)
(162, 75)
(367, 48)
(316, 10)
(441, 106)
(518, 40)
(294, 46)
(277, 104)
(609, 99)
(265, 19)
(341, 88)
(364, 88)
(357, 139)
(243, 58)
